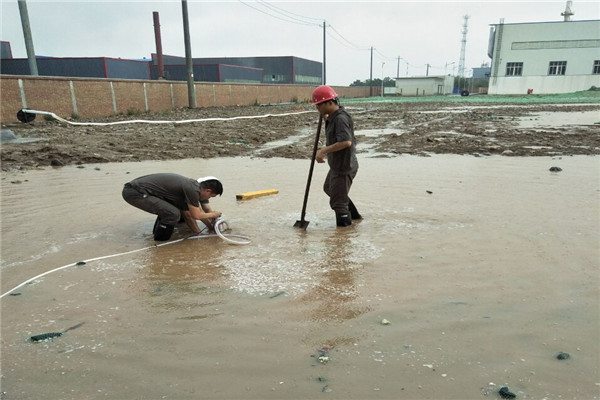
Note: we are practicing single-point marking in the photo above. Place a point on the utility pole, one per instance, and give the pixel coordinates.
(371, 79)
(324, 57)
(398, 69)
(188, 56)
(33, 69)
(427, 72)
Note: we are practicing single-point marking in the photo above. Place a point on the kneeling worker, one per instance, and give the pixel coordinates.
(174, 198)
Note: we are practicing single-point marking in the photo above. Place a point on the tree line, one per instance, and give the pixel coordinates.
(387, 82)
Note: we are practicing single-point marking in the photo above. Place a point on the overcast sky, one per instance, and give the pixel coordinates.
(420, 33)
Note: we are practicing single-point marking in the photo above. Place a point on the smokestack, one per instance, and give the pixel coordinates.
(159, 53)
(567, 13)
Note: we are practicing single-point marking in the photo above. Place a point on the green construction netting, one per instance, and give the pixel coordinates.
(588, 96)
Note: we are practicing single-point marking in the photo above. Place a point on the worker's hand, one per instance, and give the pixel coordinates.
(321, 156)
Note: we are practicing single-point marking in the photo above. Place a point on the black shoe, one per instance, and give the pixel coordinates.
(353, 211)
(343, 219)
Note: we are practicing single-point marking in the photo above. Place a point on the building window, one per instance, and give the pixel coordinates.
(557, 68)
(514, 69)
(596, 69)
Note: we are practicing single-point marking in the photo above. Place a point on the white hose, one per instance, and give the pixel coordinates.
(226, 237)
(222, 226)
(144, 121)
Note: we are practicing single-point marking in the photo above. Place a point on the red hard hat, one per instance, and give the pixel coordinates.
(322, 94)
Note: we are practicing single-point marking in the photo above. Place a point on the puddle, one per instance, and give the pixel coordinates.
(558, 119)
(477, 287)
(378, 132)
(8, 136)
(290, 140)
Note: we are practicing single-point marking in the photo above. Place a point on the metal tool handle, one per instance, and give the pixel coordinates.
(312, 165)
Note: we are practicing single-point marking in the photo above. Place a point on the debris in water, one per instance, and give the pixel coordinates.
(385, 322)
(563, 356)
(277, 294)
(45, 336)
(323, 354)
(505, 393)
(555, 169)
(80, 263)
(51, 335)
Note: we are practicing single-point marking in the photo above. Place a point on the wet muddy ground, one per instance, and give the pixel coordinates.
(467, 274)
(401, 128)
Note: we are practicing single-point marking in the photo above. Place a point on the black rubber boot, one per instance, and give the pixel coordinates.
(162, 232)
(343, 219)
(155, 225)
(353, 211)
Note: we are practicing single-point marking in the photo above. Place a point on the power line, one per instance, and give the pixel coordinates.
(290, 14)
(294, 18)
(383, 55)
(352, 45)
(286, 19)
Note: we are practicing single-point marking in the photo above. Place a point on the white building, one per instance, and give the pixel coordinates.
(424, 85)
(544, 57)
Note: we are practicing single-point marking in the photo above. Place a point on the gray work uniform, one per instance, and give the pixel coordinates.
(163, 194)
(343, 164)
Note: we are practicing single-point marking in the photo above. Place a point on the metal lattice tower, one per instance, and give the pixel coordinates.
(461, 61)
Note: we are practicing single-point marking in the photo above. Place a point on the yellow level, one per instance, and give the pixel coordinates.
(258, 193)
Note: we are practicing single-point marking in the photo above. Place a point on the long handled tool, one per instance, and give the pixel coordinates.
(302, 223)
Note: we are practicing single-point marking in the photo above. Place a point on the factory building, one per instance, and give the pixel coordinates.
(269, 70)
(274, 70)
(5, 50)
(79, 67)
(544, 57)
(424, 85)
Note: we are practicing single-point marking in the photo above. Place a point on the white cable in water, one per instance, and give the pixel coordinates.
(145, 121)
(227, 237)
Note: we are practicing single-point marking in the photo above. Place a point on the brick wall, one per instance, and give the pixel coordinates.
(87, 98)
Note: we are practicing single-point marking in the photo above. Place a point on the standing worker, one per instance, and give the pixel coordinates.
(174, 198)
(340, 150)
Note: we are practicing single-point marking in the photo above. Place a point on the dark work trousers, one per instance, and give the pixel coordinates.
(337, 188)
(167, 213)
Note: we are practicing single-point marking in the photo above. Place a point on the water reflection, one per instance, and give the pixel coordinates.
(183, 277)
(334, 296)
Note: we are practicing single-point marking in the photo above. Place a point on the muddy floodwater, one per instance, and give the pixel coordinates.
(466, 274)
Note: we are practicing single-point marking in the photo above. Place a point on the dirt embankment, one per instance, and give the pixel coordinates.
(405, 128)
